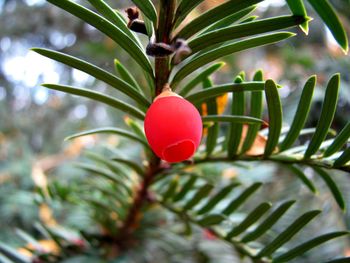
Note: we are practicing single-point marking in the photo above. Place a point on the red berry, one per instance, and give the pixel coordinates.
(209, 235)
(173, 128)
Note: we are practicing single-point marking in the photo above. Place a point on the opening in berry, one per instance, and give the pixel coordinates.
(179, 151)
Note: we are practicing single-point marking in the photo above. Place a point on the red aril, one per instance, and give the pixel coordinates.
(173, 127)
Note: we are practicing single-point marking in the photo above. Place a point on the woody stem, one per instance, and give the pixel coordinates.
(163, 34)
(162, 72)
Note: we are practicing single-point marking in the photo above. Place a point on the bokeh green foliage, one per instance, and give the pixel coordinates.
(94, 208)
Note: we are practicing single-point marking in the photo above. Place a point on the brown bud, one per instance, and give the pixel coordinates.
(179, 47)
(138, 26)
(182, 50)
(159, 49)
(133, 13)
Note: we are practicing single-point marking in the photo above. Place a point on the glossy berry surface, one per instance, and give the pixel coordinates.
(173, 128)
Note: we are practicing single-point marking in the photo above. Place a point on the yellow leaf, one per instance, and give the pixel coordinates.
(221, 103)
(46, 215)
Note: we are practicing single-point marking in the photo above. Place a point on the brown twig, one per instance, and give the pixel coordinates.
(162, 72)
(134, 216)
(163, 35)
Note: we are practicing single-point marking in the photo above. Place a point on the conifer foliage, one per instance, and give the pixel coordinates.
(129, 202)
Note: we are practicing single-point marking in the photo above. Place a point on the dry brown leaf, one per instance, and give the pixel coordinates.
(229, 173)
(46, 216)
(258, 146)
(4, 177)
(210, 4)
(25, 252)
(44, 246)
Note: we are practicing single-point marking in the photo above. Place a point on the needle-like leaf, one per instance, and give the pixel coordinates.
(97, 96)
(297, 7)
(343, 159)
(108, 29)
(243, 30)
(28, 238)
(113, 16)
(300, 174)
(237, 202)
(108, 130)
(139, 132)
(332, 186)
(126, 75)
(117, 169)
(213, 15)
(13, 254)
(235, 130)
(232, 119)
(216, 91)
(301, 114)
(212, 202)
(192, 64)
(210, 220)
(188, 186)
(199, 195)
(96, 72)
(327, 114)
(227, 21)
(171, 189)
(199, 78)
(308, 245)
(339, 260)
(213, 131)
(147, 7)
(288, 233)
(339, 141)
(249, 19)
(256, 109)
(149, 26)
(251, 218)
(105, 173)
(275, 116)
(268, 222)
(184, 8)
(133, 165)
(325, 10)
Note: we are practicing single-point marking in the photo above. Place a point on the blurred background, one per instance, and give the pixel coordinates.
(34, 121)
